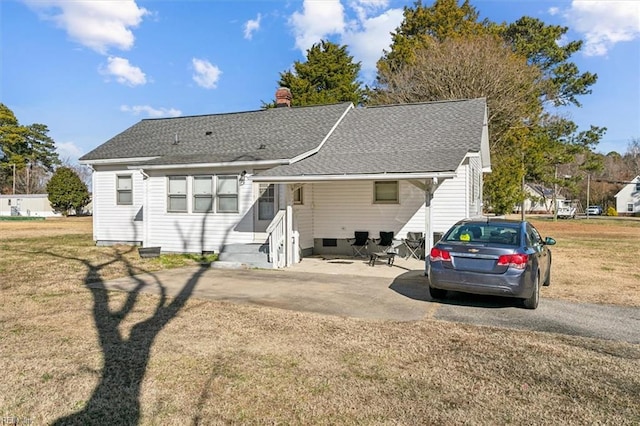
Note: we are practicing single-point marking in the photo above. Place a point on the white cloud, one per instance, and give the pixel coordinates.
(317, 20)
(251, 26)
(124, 72)
(205, 74)
(68, 150)
(374, 36)
(98, 25)
(367, 34)
(604, 23)
(554, 11)
(151, 111)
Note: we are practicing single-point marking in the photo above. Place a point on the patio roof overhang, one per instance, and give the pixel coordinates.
(353, 177)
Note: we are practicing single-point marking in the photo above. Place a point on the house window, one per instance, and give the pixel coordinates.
(177, 194)
(124, 189)
(202, 194)
(630, 207)
(637, 186)
(298, 196)
(386, 192)
(227, 194)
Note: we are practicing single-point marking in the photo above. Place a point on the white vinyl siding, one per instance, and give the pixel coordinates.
(341, 208)
(113, 222)
(449, 202)
(193, 233)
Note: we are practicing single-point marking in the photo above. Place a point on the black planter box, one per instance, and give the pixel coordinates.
(146, 252)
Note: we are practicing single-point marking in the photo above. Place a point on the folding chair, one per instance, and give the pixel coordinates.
(360, 243)
(385, 242)
(414, 244)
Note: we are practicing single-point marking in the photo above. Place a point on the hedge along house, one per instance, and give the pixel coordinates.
(290, 181)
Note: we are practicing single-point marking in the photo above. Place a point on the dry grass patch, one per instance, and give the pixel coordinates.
(595, 260)
(138, 359)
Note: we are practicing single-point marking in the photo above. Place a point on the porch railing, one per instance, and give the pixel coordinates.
(277, 238)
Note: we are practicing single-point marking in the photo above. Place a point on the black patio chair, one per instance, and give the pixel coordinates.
(360, 243)
(385, 242)
(414, 244)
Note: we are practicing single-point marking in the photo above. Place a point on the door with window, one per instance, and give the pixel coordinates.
(265, 207)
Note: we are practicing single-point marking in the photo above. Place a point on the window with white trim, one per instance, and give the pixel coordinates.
(177, 194)
(298, 196)
(124, 190)
(630, 207)
(202, 194)
(385, 192)
(227, 194)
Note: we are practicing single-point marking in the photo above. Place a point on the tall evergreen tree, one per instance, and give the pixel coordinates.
(328, 76)
(26, 148)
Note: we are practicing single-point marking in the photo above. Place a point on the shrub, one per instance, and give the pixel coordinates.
(611, 211)
(67, 192)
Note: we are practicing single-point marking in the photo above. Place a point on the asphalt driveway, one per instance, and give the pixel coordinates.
(403, 297)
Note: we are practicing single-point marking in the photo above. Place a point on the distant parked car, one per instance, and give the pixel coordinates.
(491, 256)
(594, 210)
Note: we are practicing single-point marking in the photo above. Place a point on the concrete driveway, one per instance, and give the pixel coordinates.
(350, 288)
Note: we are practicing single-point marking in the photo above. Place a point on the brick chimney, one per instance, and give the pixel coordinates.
(283, 97)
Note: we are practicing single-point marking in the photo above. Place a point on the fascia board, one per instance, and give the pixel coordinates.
(347, 177)
(116, 161)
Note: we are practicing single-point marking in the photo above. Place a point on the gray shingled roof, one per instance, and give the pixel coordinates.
(279, 133)
(409, 138)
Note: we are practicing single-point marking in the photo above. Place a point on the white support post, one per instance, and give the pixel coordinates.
(428, 234)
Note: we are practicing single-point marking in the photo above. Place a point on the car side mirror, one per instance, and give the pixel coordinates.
(549, 241)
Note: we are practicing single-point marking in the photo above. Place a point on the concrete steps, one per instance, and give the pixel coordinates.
(250, 255)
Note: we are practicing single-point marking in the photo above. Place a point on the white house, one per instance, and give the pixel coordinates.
(36, 205)
(628, 198)
(292, 181)
(539, 199)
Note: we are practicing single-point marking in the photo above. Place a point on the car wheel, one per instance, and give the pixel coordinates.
(437, 293)
(532, 302)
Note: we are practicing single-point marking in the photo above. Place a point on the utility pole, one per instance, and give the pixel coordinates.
(555, 191)
(588, 190)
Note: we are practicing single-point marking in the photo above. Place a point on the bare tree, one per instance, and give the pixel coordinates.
(465, 68)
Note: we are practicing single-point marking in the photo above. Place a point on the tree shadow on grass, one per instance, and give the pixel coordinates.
(116, 398)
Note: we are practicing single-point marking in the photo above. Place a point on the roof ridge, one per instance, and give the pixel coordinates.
(428, 102)
(242, 112)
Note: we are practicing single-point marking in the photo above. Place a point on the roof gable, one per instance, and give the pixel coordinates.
(407, 138)
(279, 133)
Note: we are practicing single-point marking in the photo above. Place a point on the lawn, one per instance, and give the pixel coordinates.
(72, 355)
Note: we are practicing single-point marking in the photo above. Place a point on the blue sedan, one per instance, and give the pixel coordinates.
(491, 256)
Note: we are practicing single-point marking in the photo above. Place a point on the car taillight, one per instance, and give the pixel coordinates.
(439, 255)
(518, 261)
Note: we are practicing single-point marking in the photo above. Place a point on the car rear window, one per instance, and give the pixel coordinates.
(485, 233)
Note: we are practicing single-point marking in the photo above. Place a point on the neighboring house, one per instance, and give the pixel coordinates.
(628, 198)
(294, 181)
(539, 199)
(26, 205)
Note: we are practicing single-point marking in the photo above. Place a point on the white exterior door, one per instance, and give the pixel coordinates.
(265, 207)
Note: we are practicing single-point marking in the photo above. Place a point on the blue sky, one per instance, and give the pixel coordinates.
(90, 69)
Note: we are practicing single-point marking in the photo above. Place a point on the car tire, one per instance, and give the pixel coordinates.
(437, 293)
(532, 302)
